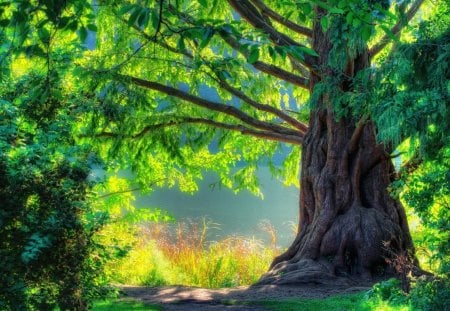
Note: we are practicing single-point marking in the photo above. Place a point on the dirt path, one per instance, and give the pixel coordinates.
(180, 298)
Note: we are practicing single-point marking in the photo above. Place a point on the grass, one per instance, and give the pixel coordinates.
(352, 302)
(119, 305)
(179, 254)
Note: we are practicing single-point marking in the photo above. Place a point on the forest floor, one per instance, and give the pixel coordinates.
(245, 298)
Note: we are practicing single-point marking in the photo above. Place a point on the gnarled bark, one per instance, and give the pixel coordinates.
(346, 212)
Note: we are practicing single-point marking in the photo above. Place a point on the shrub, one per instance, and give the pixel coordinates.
(48, 254)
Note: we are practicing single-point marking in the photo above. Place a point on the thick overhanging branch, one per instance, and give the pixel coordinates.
(270, 135)
(261, 66)
(378, 47)
(266, 11)
(201, 102)
(268, 68)
(278, 72)
(248, 11)
(263, 107)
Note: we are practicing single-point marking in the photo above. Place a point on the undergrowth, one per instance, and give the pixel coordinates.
(169, 254)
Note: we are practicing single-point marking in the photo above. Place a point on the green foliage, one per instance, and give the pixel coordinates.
(388, 291)
(410, 91)
(48, 253)
(427, 193)
(338, 302)
(431, 294)
(32, 25)
(121, 305)
(426, 294)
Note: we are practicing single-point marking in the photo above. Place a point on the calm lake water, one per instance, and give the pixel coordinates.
(237, 214)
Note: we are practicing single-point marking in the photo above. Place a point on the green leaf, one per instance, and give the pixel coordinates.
(143, 18)
(154, 16)
(296, 52)
(62, 23)
(389, 33)
(281, 51)
(34, 50)
(203, 3)
(92, 27)
(300, 51)
(272, 53)
(325, 23)
(181, 46)
(349, 18)
(342, 4)
(44, 34)
(366, 32)
(308, 50)
(134, 16)
(126, 8)
(224, 74)
(305, 8)
(356, 22)
(253, 56)
(336, 11)
(82, 34)
(207, 35)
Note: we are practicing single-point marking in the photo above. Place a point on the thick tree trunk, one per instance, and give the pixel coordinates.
(347, 216)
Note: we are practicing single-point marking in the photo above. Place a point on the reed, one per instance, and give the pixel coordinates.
(180, 253)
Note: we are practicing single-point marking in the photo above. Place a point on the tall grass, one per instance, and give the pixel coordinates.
(169, 254)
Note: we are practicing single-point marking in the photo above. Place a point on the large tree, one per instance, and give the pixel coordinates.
(186, 86)
(176, 79)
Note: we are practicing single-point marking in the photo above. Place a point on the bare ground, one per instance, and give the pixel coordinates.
(181, 298)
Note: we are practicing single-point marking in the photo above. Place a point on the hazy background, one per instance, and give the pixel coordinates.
(237, 214)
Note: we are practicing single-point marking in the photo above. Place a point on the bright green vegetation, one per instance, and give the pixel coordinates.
(337, 303)
(171, 89)
(350, 302)
(116, 305)
(178, 255)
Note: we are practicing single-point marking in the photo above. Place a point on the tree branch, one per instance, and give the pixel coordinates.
(265, 10)
(266, 134)
(154, 40)
(201, 102)
(261, 66)
(396, 29)
(118, 192)
(263, 107)
(250, 13)
(265, 67)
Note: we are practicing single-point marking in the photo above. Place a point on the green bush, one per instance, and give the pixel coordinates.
(48, 252)
(389, 291)
(427, 293)
(431, 294)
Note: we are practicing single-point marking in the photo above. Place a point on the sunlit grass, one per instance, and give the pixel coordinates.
(116, 305)
(353, 302)
(169, 254)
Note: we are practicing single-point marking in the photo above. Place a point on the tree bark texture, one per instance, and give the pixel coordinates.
(347, 216)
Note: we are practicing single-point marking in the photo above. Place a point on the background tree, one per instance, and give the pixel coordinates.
(191, 86)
